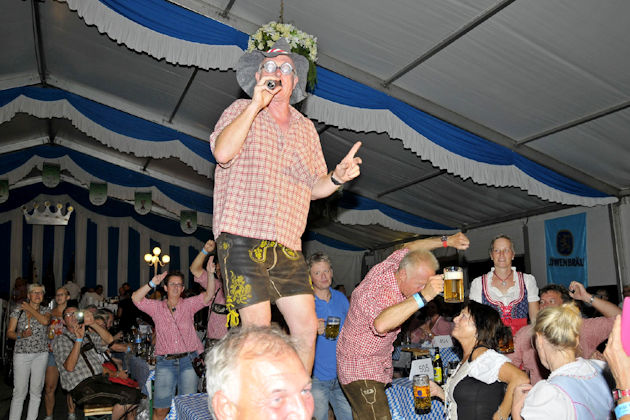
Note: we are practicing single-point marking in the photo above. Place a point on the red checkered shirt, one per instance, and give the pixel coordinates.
(363, 353)
(264, 192)
(175, 332)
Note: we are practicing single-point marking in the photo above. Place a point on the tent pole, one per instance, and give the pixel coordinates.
(616, 234)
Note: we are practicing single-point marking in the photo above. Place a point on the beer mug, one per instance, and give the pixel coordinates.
(421, 394)
(332, 327)
(453, 285)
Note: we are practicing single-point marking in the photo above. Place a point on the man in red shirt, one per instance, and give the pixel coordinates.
(592, 333)
(177, 343)
(270, 166)
(390, 293)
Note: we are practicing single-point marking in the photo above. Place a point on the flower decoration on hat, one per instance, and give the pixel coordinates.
(301, 43)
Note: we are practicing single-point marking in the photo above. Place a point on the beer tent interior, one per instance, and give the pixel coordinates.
(474, 115)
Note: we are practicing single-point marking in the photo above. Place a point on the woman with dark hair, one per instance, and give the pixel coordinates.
(477, 390)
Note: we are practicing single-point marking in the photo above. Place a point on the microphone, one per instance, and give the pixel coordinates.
(271, 84)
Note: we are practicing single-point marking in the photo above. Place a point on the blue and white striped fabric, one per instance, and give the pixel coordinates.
(189, 407)
(400, 399)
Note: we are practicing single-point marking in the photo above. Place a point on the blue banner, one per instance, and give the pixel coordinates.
(565, 239)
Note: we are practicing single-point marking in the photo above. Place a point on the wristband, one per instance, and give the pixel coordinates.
(620, 393)
(151, 284)
(18, 337)
(590, 302)
(335, 180)
(419, 300)
(128, 349)
(622, 409)
(204, 252)
(79, 340)
(444, 240)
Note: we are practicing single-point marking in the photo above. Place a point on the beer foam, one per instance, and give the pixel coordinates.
(453, 275)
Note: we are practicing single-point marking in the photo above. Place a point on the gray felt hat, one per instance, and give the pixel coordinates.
(249, 63)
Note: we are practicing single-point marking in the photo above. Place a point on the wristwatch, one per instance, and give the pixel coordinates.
(444, 240)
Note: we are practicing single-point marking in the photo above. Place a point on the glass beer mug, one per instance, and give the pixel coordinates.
(421, 394)
(453, 285)
(332, 327)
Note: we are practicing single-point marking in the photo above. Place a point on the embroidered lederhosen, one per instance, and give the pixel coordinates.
(513, 315)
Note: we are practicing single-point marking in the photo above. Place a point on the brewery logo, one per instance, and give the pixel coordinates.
(564, 242)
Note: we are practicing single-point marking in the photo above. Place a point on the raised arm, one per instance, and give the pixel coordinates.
(392, 317)
(578, 292)
(196, 268)
(345, 171)
(231, 139)
(458, 240)
(43, 319)
(139, 294)
(102, 332)
(73, 357)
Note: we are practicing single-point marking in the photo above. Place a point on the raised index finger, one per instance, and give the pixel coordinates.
(353, 151)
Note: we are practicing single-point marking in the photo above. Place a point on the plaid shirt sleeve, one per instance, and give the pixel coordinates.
(229, 115)
(148, 306)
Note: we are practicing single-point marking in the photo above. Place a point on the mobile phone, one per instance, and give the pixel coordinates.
(625, 326)
(80, 317)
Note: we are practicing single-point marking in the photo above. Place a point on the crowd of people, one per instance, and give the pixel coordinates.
(270, 166)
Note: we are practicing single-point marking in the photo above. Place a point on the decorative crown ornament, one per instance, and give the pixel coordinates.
(44, 214)
(301, 43)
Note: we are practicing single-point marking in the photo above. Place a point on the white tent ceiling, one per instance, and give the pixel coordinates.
(548, 80)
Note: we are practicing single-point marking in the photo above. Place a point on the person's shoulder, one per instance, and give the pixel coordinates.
(338, 295)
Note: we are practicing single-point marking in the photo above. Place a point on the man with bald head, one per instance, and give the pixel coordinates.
(390, 293)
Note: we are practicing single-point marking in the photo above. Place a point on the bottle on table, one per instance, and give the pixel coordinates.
(438, 368)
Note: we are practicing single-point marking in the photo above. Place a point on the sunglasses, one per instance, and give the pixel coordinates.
(270, 67)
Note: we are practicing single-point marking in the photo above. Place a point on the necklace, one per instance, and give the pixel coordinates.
(505, 280)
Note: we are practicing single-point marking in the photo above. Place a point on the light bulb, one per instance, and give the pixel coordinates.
(148, 257)
(166, 259)
(157, 250)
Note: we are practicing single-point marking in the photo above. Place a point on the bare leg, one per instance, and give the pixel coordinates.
(299, 314)
(258, 314)
(50, 385)
(160, 413)
(70, 404)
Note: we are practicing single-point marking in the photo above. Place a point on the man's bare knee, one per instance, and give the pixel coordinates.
(160, 413)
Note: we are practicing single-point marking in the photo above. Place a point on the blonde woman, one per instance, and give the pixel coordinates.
(28, 327)
(576, 389)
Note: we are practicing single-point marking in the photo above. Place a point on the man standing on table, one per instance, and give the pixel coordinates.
(390, 293)
(177, 343)
(269, 167)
